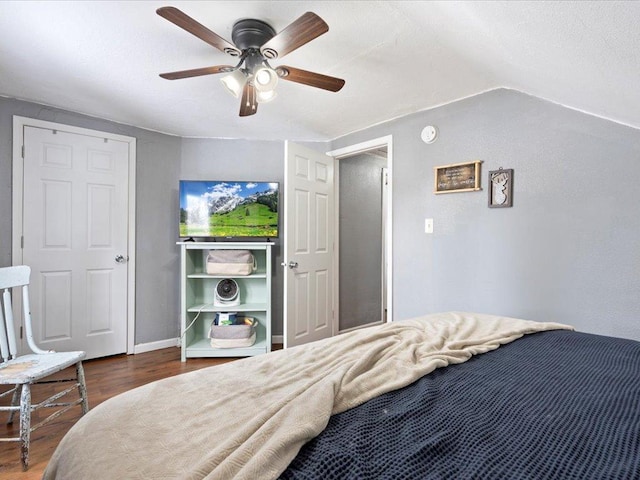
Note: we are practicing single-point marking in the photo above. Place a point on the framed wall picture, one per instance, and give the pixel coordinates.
(501, 188)
(457, 177)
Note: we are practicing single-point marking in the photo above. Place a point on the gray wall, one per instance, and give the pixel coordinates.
(569, 248)
(157, 170)
(161, 161)
(218, 159)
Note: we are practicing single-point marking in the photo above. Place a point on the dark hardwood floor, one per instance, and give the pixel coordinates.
(106, 377)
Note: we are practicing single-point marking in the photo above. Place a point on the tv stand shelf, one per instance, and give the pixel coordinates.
(197, 307)
(244, 307)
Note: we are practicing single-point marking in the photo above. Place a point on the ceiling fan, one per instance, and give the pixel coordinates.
(254, 44)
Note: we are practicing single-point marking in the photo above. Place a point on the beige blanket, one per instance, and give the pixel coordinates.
(248, 419)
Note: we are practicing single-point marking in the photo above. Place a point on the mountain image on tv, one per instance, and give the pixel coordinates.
(228, 209)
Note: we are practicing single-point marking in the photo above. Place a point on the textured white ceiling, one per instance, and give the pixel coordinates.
(397, 57)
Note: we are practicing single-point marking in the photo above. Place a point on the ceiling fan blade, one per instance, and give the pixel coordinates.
(187, 23)
(312, 79)
(249, 103)
(296, 34)
(196, 72)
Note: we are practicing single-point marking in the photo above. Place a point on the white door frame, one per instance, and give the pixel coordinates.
(351, 150)
(17, 202)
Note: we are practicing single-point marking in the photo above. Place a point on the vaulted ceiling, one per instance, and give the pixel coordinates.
(397, 57)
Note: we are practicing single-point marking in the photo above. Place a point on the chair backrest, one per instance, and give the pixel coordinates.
(13, 277)
(10, 277)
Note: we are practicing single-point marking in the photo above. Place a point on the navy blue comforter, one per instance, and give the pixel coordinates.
(552, 405)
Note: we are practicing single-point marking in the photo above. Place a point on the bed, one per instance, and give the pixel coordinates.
(517, 399)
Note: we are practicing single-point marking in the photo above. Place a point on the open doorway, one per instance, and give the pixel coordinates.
(363, 235)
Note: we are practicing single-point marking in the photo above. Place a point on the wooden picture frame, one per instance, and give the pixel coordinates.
(501, 188)
(457, 177)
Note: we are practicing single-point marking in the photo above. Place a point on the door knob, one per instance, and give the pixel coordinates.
(291, 264)
(121, 259)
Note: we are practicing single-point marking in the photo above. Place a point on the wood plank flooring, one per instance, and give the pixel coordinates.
(106, 377)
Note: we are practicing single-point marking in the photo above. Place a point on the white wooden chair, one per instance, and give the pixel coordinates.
(26, 370)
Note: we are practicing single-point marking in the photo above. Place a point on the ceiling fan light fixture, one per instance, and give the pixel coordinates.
(264, 97)
(234, 82)
(265, 79)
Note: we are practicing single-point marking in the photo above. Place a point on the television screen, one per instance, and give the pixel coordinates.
(228, 209)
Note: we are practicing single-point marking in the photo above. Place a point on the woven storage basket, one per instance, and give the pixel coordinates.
(242, 334)
(230, 262)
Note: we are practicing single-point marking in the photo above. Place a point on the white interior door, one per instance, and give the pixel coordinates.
(308, 245)
(75, 221)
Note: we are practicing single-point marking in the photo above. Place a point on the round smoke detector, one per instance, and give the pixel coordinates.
(429, 134)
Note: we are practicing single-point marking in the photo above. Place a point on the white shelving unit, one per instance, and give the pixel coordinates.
(197, 295)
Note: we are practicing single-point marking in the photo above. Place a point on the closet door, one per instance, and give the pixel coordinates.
(75, 221)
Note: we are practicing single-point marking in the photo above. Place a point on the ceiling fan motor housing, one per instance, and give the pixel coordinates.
(251, 33)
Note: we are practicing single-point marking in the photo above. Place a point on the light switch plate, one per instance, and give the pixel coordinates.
(428, 225)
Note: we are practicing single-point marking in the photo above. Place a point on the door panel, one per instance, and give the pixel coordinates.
(55, 305)
(75, 222)
(99, 219)
(56, 205)
(301, 311)
(99, 294)
(324, 310)
(322, 223)
(308, 243)
(301, 222)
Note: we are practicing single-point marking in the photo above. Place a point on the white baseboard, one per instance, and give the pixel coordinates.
(173, 342)
(160, 344)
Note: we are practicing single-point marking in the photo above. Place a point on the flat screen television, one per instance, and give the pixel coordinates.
(223, 209)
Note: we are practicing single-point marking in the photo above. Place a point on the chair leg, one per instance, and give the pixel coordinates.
(82, 388)
(14, 403)
(25, 425)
